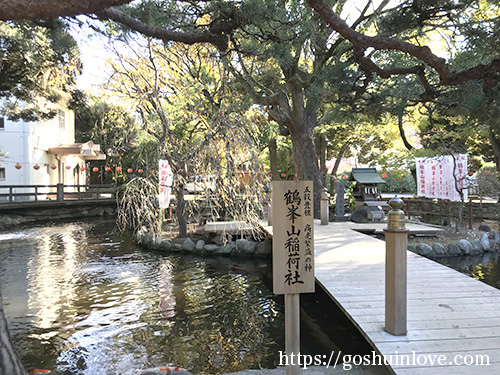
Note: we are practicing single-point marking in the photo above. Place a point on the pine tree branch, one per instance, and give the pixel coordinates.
(218, 40)
(37, 9)
(423, 53)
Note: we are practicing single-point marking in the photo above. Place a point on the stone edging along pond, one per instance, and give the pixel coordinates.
(219, 245)
(489, 242)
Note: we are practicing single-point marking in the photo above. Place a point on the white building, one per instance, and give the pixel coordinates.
(44, 152)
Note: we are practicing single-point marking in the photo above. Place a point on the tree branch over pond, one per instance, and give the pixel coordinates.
(38, 9)
(422, 53)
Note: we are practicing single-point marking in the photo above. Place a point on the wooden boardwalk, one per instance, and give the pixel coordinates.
(449, 313)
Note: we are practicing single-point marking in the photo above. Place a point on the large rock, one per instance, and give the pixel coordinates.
(210, 248)
(156, 243)
(477, 248)
(165, 245)
(485, 228)
(454, 250)
(147, 240)
(465, 247)
(188, 245)
(176, 247)
(227, 248)
(360, 215)
(423, 249)
(221, 239)
(250, 247)
(494, 238)
(240, 244)
(199, 245)
(264, 248)
(485, 242)
(439, 250)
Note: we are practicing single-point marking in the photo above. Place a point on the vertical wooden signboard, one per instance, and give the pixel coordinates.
(293, 254)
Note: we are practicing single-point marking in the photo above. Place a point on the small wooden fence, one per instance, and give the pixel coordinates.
(58, 192)
(445, 212)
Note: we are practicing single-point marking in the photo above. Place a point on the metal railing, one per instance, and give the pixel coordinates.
(58, 192)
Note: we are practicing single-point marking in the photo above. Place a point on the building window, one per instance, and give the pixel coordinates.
(2, 123)
(2, 174)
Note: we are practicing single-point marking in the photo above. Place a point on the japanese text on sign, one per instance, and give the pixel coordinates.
(165, 179)
(436, 177)
(293, 253)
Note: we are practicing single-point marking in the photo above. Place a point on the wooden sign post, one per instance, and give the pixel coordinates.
(293, 256)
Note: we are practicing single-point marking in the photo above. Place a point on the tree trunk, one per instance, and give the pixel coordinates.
(181, 215)
(273, 158)
(402, 133)
(9, 362)
(322, 157)
(306, 165)
(340, 155)
(495, 145)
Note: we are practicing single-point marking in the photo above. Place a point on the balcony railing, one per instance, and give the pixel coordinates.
(59, 192)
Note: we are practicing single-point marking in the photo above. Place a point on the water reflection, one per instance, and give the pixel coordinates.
(80, 300)
(484, 267)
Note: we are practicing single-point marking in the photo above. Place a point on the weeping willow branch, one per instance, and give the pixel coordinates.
(137, 206)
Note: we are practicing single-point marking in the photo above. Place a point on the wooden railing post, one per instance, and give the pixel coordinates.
(60, 192)
(396, 241)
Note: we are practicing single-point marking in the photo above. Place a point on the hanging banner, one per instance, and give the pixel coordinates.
(293, 242)
(166, 178)
(436, 177)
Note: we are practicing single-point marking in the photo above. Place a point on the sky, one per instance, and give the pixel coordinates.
(93, 54)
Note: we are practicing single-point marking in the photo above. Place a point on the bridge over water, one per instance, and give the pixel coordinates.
(450, 315)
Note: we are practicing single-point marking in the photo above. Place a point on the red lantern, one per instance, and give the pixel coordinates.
(18, 166)
(283, 175)
(296, 175)
(36, 167)
(270, 174)
(95, 169)
(130, 170)
(384, 175)
(68, 167)
(53, 167)
(140, 170)
(82, 169)
(118, 169)
(471, 174)
(107, 169)
(344, 177)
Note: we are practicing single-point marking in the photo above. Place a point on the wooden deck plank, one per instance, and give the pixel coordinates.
(448, 312)
(428, 334)
(439, 324)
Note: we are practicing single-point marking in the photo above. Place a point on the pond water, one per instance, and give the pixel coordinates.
(485, 268)
(82, 299)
